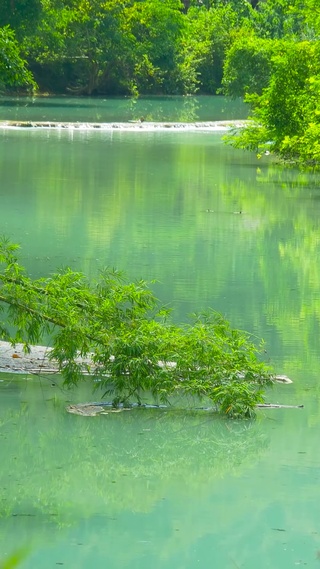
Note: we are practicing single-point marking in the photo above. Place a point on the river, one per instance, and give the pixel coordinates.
(214, 227)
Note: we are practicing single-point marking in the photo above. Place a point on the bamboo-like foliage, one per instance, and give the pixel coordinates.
(115, 331)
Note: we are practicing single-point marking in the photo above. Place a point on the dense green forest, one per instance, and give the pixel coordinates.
(266, 51)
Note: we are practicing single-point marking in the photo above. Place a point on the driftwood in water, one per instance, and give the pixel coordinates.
(13, 359)
(94, 409)
(282, 379)
(101, 408)
(276, 406)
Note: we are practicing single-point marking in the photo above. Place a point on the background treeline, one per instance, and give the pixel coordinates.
(121, 47)
(266, 51)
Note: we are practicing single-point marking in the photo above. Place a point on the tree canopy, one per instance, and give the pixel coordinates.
(144, 46)
(284, 100)
(274, 65)
(13, 69)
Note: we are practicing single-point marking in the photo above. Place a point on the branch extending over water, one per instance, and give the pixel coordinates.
(116, 332)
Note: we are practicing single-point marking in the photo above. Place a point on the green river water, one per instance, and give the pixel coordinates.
(178, 488)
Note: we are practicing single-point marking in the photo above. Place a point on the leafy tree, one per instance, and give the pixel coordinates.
(279, 79)
(123, 338)
(248, 64)
(242, 7)
(111, 46)
(156, 46)
(155, 27)
(13, 69)
(84, 37)
(286, 113)
(279, 18)
(311, 14)
(207, 38)
(20, 15)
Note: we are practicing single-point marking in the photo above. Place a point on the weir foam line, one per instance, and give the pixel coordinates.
(124, 126)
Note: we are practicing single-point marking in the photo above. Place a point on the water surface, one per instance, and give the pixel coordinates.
(170, 488)
(98, 109)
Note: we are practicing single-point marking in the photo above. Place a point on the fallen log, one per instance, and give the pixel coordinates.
(276, 406)
(282, 379)
(101, 408)
(104, 408)
(13, 359)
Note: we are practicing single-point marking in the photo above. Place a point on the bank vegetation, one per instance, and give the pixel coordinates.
(265, 51)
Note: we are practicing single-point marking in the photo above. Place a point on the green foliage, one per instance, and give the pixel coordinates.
(13, 70)
(116, 332)
(207, 37)
(253, 137)
(302, 142)
(286, 112)
(248, 64)
(155, 46)
(86, 35)
(280, 18)
(20, 15)
(286, 92)
(155, 28)
(311, 14)
(111, 46)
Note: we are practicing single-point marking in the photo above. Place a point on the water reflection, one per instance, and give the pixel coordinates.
(162, 206)
(113, 463)
(171, 490)
(65, 475)
(95, 109)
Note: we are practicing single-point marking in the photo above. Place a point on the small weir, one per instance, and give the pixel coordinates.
(134, 125)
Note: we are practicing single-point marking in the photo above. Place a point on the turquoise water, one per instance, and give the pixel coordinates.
(95, 109)
(170, 488)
